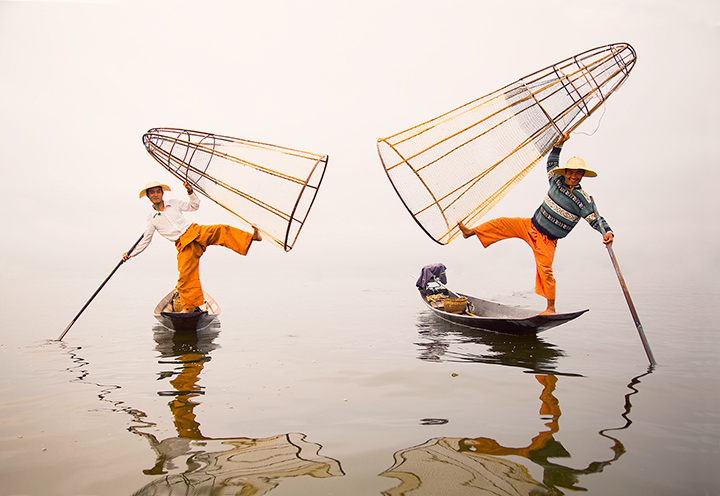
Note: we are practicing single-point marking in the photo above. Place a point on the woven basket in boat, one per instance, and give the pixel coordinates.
(455, 305)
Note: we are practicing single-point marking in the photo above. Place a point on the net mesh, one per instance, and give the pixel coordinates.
(266, 185)
(457, 166)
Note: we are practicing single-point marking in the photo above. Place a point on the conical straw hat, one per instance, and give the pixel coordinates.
(153, 184)
(575, 163)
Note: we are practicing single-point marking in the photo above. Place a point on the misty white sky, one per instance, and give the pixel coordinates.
(80, 82)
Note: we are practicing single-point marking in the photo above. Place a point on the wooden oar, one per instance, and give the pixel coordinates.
(98, 290)
(644, 340)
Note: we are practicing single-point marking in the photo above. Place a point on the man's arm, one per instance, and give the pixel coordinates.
(597, 222)
(554, 157)
(147, 237)
(193, 202)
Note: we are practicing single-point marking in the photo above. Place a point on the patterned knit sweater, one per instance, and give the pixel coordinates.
(563, 206)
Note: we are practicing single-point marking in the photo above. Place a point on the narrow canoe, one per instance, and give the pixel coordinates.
(186, 322)
(491, 316)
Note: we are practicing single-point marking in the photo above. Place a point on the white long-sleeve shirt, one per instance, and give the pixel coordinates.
(170, 223)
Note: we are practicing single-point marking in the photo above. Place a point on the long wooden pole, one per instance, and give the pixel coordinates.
(98, 290)
(644, 340)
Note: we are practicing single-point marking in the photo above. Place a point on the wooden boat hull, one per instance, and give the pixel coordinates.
(186, 322)
(495, 317)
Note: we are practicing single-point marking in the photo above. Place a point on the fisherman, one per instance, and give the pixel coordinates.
(564, 204)
(190, 239)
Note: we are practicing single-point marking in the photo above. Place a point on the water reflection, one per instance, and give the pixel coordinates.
(480, 465)
(528, 352)
(192, 463)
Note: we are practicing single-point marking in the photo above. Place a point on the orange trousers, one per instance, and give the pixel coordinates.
(192, 244)
(542, 246)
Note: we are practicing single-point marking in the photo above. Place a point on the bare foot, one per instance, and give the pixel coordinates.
(465, 231)
(550, 308)
(256, 234)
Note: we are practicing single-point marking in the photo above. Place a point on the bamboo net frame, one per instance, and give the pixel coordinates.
(270, 186)
(457, 166)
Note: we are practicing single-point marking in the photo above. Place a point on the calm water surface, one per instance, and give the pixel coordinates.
(355, 389)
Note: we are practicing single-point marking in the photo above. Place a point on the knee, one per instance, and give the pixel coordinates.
(545, 270)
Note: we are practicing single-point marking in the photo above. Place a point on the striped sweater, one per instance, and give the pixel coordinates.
(563, 206)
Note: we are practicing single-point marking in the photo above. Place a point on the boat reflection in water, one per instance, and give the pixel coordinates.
(479, 465)
(528, 352)
(191, 463)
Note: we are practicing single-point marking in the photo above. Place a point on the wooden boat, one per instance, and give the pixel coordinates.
(487, 315)
(186, 322)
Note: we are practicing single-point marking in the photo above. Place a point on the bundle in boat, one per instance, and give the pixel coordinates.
(270, 186)
(457, 166)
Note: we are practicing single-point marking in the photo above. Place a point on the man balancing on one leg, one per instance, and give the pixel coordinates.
(190, 239)
(564, 204)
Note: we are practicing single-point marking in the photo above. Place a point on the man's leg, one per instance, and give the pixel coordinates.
(544, 251)
(550, 310)
(498, 229)
(188, 285)
(237, 240)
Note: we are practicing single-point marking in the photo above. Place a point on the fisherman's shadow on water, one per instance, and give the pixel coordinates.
(481, 465)
(448, 464)
(192, 463)
(442, 342)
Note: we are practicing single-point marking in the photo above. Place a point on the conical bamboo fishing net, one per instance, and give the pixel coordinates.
(459, 165)
(266, 185)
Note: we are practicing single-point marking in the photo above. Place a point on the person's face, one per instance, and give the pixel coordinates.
(573, 176)
(155, 194)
